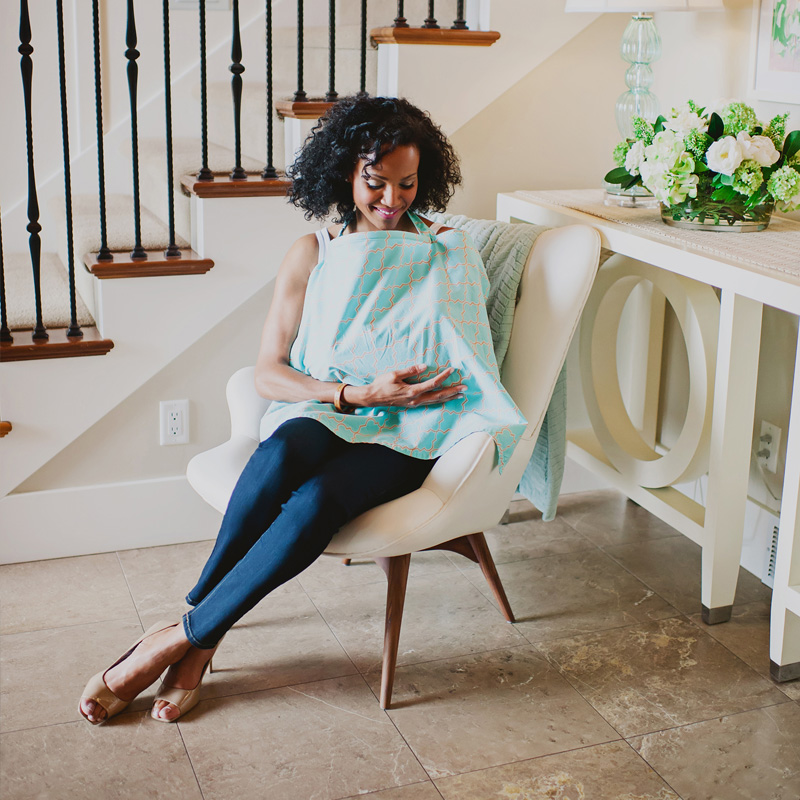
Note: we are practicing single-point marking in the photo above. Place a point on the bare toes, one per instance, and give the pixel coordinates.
(93, 711)
(166, 711)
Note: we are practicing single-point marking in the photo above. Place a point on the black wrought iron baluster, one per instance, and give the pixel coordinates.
(331, 94)
(430, 22)
(269, 170)
(33, 227)
(300, 95)
(459, 24)
(104, 253)
(74, 328)
(363, 84)
(237, 69)
(172, 251)
(133, 80)
(205, 173)
(400, 21)
(5, 333)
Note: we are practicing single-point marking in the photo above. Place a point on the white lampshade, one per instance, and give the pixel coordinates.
(626, 6)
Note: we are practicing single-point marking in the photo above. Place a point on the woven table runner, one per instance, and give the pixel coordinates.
(774, 250)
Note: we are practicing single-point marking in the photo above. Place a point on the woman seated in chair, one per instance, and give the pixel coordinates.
(378, 355)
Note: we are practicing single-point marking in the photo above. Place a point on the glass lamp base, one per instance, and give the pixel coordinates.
(635, 197)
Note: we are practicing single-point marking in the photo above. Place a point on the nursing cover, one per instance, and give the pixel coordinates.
(387, 300)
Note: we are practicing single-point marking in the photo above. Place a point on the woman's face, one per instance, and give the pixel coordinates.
(383, 192)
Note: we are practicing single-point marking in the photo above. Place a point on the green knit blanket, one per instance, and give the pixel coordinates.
(505, 248)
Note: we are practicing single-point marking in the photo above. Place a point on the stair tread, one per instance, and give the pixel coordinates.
(119, 214)
(58, 345)
(21, 309)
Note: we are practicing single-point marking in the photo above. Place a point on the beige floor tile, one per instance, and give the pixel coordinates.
(755, 755)
(746, 635)
(531, 538)
(319, 740)
(44, 672)
(160, 577)
(129, 759)
(480, 711)
(608, 518)
(605, 772)
(330, 573)
(64, 591)
(558, 596)
(416, 791)
(282, 641)
(660, 675)
(444, 616)
(672, 568)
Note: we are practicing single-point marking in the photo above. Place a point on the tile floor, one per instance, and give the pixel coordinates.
(609, 686)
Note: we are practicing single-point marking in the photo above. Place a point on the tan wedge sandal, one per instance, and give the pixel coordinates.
(97, 689)
(183, 699)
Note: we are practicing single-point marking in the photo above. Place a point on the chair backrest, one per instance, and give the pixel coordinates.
(554, 288)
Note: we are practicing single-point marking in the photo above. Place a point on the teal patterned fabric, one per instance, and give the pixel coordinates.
(504, 249)
(387, 300)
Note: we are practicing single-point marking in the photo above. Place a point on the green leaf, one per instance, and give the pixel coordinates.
(659, 123)
(791, 145)
(617, 175)
(700, 167)
(632, 181)
(726, 180)
(716, 126)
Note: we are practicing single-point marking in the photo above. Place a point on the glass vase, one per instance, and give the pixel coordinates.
(704, 214)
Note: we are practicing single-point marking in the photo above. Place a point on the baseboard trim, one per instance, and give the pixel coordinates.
(60, 523)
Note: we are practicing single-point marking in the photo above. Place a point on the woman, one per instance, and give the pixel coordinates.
(356, 352)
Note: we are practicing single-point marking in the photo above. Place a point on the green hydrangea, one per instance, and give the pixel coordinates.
(748, 178)
(620, 151)
(776, 129)
(697, 142)
(784, 183)
(738, 117)
(693, 106)
(643, 130)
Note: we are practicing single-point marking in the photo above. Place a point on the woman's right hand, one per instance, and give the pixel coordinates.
(392, 389)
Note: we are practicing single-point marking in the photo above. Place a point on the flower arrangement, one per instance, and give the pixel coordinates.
(713, 166)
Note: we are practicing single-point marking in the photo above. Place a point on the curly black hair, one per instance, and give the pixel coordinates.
(369, 128)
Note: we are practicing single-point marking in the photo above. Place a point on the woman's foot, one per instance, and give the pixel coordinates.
(139, 669)
(184, 675)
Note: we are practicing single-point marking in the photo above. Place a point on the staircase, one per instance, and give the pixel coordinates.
(158, 324)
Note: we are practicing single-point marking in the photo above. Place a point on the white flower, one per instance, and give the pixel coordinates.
(665, 150)
(758, 148)
(634, 158)
(686, 120)
(725, 155)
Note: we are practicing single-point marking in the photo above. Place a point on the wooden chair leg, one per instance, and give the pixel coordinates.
(396, 569)
(486, 562)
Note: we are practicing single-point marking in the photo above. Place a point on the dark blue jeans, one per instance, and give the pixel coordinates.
(299, 487)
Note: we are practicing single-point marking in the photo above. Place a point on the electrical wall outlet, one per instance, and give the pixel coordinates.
(173, 421)
(769, 445)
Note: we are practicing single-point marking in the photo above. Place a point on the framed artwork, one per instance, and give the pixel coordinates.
(776, 51)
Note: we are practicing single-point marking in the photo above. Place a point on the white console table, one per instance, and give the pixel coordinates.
(722, 340)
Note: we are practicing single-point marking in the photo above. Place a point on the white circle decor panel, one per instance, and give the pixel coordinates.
(696, 307)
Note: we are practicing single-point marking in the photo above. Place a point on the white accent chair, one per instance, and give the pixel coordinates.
(464, 493)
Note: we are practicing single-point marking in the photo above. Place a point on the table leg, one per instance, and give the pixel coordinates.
(784, 634)
(729, 461)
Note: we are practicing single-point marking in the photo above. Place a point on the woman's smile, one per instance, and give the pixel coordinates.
(385, 190)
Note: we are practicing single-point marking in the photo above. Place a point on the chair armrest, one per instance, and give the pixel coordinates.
(245, 404)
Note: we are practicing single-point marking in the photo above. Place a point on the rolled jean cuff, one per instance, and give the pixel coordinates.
(187, 629)
(191, 601)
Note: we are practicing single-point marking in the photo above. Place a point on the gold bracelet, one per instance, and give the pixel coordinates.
(341, 407)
